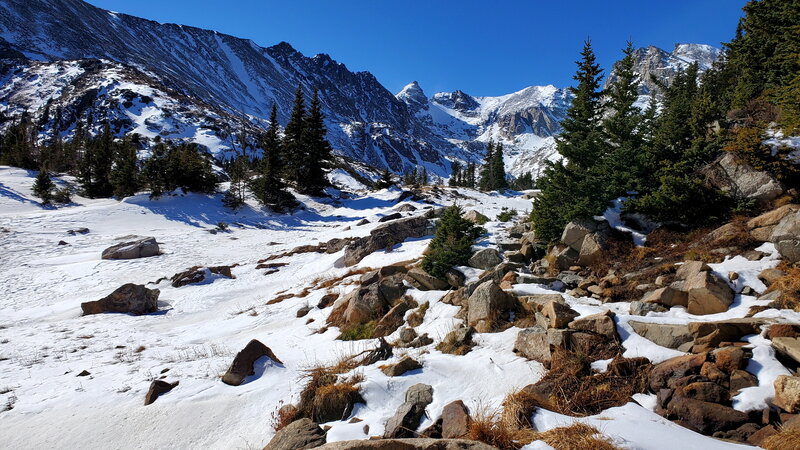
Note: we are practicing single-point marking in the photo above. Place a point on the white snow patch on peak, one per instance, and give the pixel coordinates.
(703, 54)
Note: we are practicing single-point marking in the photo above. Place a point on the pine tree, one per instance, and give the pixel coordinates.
(574, 187)
(154, 170)
(486, 182)
(18, 143)
(237, 168)
(293, 141)
(318, 154)
(422, 177)
(97, 164)
(384, 181)
(623, 128)
(268, 187)
(455, 176)
(451, 244)
(43, 187)
(125, 173)
(498, 169)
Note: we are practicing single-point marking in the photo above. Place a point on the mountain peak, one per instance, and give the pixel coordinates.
(413, 96)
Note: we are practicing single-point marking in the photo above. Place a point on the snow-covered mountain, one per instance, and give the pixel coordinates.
(66, 59)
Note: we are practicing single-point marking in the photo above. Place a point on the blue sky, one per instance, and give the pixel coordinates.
(481, 47)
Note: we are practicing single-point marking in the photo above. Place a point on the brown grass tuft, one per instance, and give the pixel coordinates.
(574, 437)
(789, 285)
(788, 438)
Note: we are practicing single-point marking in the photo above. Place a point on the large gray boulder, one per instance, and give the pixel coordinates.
(406, 420)
(129, 298)
(533, 343)
(386, 235)
(575, 232)
(786, 237)
(729, 174)
(485, 259)
(665, 335)
(485, 305)
(140, 248)
(298, 435)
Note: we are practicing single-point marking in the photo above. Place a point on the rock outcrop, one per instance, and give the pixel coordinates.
(385, 236)
(140, 248)
(242, 365)
(129, 298)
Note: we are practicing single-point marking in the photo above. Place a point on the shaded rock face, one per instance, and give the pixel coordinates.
(786, 237)
(157, 387)
(485, 259)
(298, 435)
(384, 236)
(242, 365)
(406, 420)
(455, 420)
(140, 248)
(706, 417)
(741, 180)
(129, 298)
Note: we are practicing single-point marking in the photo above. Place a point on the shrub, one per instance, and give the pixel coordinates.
(358, 332)
(506, 214)
(684, 200)
(452, 243)
(748, 144)
(43, 187)
(62, 196)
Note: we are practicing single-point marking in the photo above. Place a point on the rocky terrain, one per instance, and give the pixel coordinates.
(210, 328)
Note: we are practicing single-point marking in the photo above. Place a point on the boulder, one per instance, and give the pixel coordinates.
(455, 420)
(665, 335)
(392, 287)
(665, 373)
(406, 420)
(390, 217)
(298, 435)
(600, 323)
(515, 257)
(140, 248)
(485, 259)
(705, 391)
(404, 365)
(428, 281)
(787, 393)
(535, 302)
(708, 294)
(385, 235)
(786, 237)
(408, 444)
(455, 278)
(157, 387)
(788, 346)
(487, 302)
(562, 257)
(761, 227)
(691, 268)
(575, 232)
(729, 174)
(708, 335)
(705, 417)
(729, 358)
(710, 371)
(741, 379)
(769, 276)
(591, 251)
(336, 244)
(198, 274)
(129, 298)
(363, 305)
(642, 309)
(242, 365)
(534, 344)
(475, 217)
(559, 314)
(667, 296)
(783, 330)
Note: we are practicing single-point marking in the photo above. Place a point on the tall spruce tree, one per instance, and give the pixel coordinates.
(574, 187)
(623, 129)
(268, 187)
(97, 163)
(317, 155)
(486, 182)
(43, 186)
(124, 175)
(293, 141)
(498, 169)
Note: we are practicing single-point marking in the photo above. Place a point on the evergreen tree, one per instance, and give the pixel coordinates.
(43, 187)
(97, 164)
(384, 181)
(293, 146)
(17, 145)
(422, 177)
(498, 169)
(623, 129)
(487, 179)
(455, 176)
(125, 173)
(237, 168)
(154, 170)
(317, 155)
(268, 187)
(451, 244)
(575, 187)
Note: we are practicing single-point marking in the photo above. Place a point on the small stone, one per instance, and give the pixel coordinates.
(157, 387)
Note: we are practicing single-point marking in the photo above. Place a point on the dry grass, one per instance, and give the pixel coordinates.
(786, 439)
(789, 285)
(577, 436)
(490, 427)
(415, 318)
